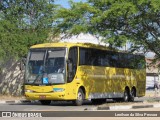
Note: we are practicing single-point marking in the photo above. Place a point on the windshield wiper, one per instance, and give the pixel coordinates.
(40, 75)
(38, 78)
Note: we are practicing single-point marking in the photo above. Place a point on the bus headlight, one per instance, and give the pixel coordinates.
(58, 89)
(30, 91)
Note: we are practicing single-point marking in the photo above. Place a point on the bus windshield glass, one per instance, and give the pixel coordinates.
(45, 66)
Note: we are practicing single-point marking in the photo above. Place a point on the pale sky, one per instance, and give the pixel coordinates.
(65, 3)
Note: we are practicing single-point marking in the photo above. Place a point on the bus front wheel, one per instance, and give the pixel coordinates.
(45, 102)
(80, 98)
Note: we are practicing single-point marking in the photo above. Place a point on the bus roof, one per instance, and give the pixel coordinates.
(60, 44)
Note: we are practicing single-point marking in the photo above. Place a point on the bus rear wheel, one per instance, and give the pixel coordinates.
(132, 95)
(126, 96)
(45, 102)
(80, 98)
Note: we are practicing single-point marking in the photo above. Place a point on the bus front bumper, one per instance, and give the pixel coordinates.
(45, 96)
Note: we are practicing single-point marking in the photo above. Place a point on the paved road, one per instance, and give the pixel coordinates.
(55, 106)
(59, 106)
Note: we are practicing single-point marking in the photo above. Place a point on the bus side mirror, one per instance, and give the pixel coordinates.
(22, 63)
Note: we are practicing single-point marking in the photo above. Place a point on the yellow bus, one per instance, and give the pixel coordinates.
(82, 71)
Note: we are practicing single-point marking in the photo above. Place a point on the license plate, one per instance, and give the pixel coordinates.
(42, 97)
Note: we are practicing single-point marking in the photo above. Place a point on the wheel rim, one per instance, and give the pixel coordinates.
(125, 96)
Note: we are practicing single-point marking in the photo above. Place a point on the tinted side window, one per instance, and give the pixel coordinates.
(131, 61)
(123, 60)
(140, 62)
(73, 57)
(85, 56)
(95, 57)
(90, 57)
(106, 59)
(114, 59)
(82, 56)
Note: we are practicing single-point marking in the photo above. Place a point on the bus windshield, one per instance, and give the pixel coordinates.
(45, 66)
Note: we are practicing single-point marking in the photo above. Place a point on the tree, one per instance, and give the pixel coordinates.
(117, 21)
(23, 23)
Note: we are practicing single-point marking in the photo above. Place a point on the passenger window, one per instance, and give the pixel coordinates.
(131, 61)
(122, 60)
(114, 58)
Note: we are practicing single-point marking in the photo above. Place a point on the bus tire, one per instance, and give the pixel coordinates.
(80, 98)
(132, 95)
(126, 96)
(45, 102)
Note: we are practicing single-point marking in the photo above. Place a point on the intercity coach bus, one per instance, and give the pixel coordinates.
(83, 71)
